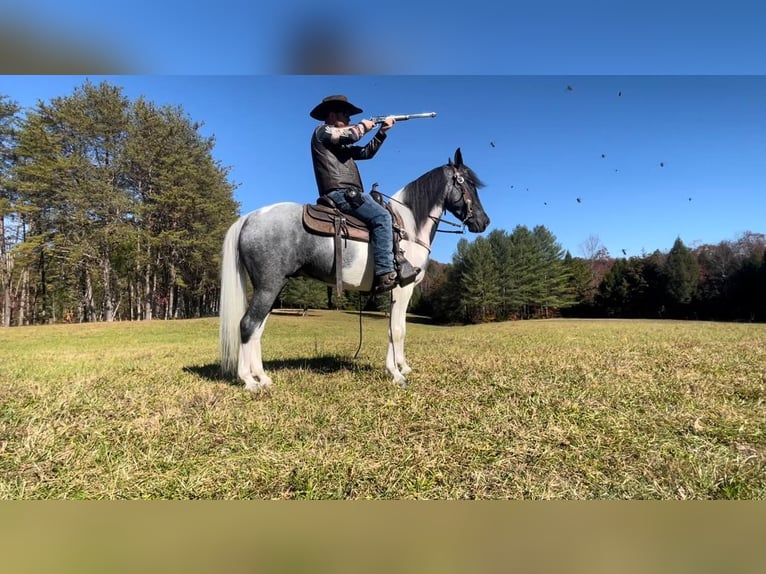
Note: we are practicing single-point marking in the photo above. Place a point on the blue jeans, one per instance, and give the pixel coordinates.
(378, 220)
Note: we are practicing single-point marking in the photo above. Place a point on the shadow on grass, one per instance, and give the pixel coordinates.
(320, 365)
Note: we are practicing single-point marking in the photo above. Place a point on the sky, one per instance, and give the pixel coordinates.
(634, 161)
(397, 36)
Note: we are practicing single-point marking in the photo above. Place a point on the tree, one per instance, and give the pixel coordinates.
(597, 256)
(580, 284)
(71, 151)
(681, 273)
(747, 288)
(480, 281)
(623, 288)
(303, 293)
(435, 276)
(521, 274)
(556, 292)
(184, 207)
(523, 287)
(9, 237)
(124, 210)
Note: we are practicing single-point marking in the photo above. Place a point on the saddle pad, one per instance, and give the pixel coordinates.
(320, 219)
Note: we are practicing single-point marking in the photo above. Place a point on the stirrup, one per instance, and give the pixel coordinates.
(384, 282)
(407, 273)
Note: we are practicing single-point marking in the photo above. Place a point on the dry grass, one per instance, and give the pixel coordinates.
(559, 409)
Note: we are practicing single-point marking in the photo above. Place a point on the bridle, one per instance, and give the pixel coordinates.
(458, 181)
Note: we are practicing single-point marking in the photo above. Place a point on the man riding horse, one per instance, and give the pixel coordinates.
(333, 154)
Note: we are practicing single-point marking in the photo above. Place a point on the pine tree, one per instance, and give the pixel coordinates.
(480, 281)
(681, 273)
(556, 292)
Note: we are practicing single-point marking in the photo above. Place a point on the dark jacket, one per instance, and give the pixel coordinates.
(333, 155)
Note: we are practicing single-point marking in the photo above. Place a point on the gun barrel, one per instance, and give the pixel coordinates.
(381, 119)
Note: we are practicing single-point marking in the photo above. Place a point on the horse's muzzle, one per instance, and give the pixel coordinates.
(477, 222)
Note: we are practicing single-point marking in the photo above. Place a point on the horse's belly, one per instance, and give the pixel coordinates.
(357, 265)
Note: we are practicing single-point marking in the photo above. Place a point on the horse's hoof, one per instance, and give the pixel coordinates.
(257, 388)
(405, 370)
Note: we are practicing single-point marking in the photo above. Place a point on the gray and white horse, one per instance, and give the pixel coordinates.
(270, 245)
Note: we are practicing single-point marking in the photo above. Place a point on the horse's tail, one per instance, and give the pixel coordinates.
(233, 302)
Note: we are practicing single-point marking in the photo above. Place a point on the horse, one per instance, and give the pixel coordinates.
(270, 245)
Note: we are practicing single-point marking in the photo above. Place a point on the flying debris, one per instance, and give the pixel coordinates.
(624, 252)
(690, 199)
(579, 200)
(570, 89)
(662, 164)
(545, 203)
(492, 144)
(603, 155)
(619, 93)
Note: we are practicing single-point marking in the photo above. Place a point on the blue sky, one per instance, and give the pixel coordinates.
(398, 36)
(549, 134)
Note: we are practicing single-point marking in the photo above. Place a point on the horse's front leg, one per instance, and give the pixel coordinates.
(396, 362)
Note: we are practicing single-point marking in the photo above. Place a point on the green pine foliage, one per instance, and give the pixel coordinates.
(681, 273)
(122, 207)
(503, 276)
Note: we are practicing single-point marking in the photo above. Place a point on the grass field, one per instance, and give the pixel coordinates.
(555, 409)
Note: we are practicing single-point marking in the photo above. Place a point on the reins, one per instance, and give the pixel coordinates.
(359, 348)
(459, 180)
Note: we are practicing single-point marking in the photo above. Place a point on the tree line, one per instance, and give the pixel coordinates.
(525, 274)
(725, 282)
(109, 209)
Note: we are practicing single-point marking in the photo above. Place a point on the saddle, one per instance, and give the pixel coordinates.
(327, 220)
(324, 218)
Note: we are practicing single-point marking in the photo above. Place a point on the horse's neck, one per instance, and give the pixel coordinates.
(425, 234)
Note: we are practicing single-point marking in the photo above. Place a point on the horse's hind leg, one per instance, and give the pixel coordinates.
(250, 364)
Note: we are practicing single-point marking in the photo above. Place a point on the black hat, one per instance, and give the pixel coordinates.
(332, 103)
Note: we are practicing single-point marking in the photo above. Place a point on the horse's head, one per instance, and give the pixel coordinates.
(462, 199)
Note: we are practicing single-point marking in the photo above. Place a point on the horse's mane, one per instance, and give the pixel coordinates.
(422, 194)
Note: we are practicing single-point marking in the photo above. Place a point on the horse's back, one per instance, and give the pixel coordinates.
(274, 241)
(275, 211)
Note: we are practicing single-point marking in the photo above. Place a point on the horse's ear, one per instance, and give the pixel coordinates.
(449, 161)
(458, 157)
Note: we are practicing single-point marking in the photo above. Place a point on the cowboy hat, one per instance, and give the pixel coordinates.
(332, 103)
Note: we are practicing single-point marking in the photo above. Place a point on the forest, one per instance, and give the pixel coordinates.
(526, 274)
(112, 209)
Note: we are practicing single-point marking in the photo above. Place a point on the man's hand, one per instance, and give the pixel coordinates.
(387, 123)
(368, 125)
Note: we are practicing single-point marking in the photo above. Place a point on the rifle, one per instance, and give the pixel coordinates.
(381, 119)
